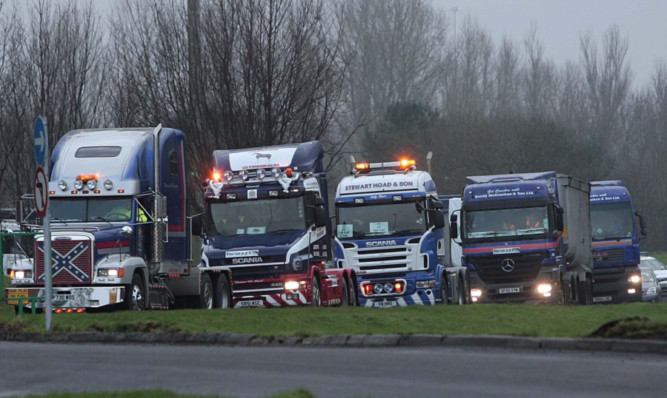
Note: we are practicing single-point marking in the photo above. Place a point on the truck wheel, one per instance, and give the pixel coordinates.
(222, 292)
(461, 299)
(345, 298)
(316, 296)
(352, 295)
(443, 289)
(135, 295)
(206, 292)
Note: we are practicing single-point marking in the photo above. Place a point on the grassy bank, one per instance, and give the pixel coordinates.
(517, 320)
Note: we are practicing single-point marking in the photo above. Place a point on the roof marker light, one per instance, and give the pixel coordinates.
(121, 191)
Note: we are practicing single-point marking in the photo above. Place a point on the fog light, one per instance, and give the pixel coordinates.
(388, 287)
(62, 185)
(275, 172)
(78, 184)
(475, 293)
(291, 285)
(635, 279)
(632, 291)
(474, 299)
(91, 184)
(429, 284)
(108, 184)
(544, 288)
(378, 288)
(228, 175)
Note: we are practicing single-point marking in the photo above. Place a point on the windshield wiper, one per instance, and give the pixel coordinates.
(100, 218)
(284, 230)
(415, 231)
(529, 231)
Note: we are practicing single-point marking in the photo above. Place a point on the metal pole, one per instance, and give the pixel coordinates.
(46, 222)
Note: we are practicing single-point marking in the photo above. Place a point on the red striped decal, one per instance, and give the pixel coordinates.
(613, 243)
(107, 245)
(520, 247)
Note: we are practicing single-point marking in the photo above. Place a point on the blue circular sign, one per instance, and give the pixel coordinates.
(40, 142)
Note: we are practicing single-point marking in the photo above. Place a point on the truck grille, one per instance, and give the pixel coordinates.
(71, 258)
(382, 258)
(524, 267)
(610, 256)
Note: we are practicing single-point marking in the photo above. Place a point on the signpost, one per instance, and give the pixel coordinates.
(41, 191)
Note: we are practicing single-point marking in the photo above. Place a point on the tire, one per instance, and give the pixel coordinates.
(222, 293)
(443, 289)
(352, 294)
(135, 296)
(206, 292)
(460, 295)
(345, 294)
(316, 297)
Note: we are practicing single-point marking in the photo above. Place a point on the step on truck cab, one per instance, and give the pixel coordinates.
(526, 237)
(616, 234)
(390, 231)
(267, 220)
(120, 231)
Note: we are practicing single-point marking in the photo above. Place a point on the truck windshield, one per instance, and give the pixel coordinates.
(394, 219)
(611, 220)
(506, 222)
(94, 209)
(254, 217)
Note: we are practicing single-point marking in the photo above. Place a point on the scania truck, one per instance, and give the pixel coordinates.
(390, 231)
(267, 220)
(527, 238)
(616, 234)
(120, 230)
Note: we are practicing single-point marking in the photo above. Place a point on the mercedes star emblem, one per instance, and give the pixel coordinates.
(507, 265)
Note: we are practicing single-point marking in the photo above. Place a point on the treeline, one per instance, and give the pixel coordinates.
(372, 79)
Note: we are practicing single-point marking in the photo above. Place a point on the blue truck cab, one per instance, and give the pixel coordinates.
(390, 231)
(526, 237)
(616, 234)
(266, 219)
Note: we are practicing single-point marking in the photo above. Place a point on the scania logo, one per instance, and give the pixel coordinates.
(381, 243)
(246, 260)
(507, 265)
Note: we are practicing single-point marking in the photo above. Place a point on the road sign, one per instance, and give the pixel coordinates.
(41, 141)
(41, 192)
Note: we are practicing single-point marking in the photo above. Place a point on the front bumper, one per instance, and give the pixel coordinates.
(68, 297)
(518, 292)
(611, 285)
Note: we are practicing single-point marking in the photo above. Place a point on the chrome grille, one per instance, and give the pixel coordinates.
(525, 267)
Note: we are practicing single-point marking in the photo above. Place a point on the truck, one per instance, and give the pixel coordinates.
(526, 238)
(266, 219)
(616, 234)
(390, 230)
(121, 234)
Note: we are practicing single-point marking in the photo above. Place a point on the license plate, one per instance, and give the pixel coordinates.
(62, 297)
(250, 303)
(601, 299)
(15, 294)
(384, 304)
(506, 290)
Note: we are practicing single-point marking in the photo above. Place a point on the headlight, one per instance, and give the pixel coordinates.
(476, 292)
(111, 272)
(651, 290)
(291, 285)
(296, 264)
(635, 279)
(20, 274)
(429, 284)
(544, 288)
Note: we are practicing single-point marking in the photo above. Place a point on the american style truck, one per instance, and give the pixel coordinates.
(526, 237)
(266, 219)
(120, 229)
(616, 234)
(389, 229)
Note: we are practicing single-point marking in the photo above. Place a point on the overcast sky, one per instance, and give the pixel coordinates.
(561, 22)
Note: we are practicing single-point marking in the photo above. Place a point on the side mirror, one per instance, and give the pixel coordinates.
(126, 231)
(642, 223)
(439, 218)
(453, 227)
(320, 217)
(560, 224)
(196, 225)
(161, 209)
